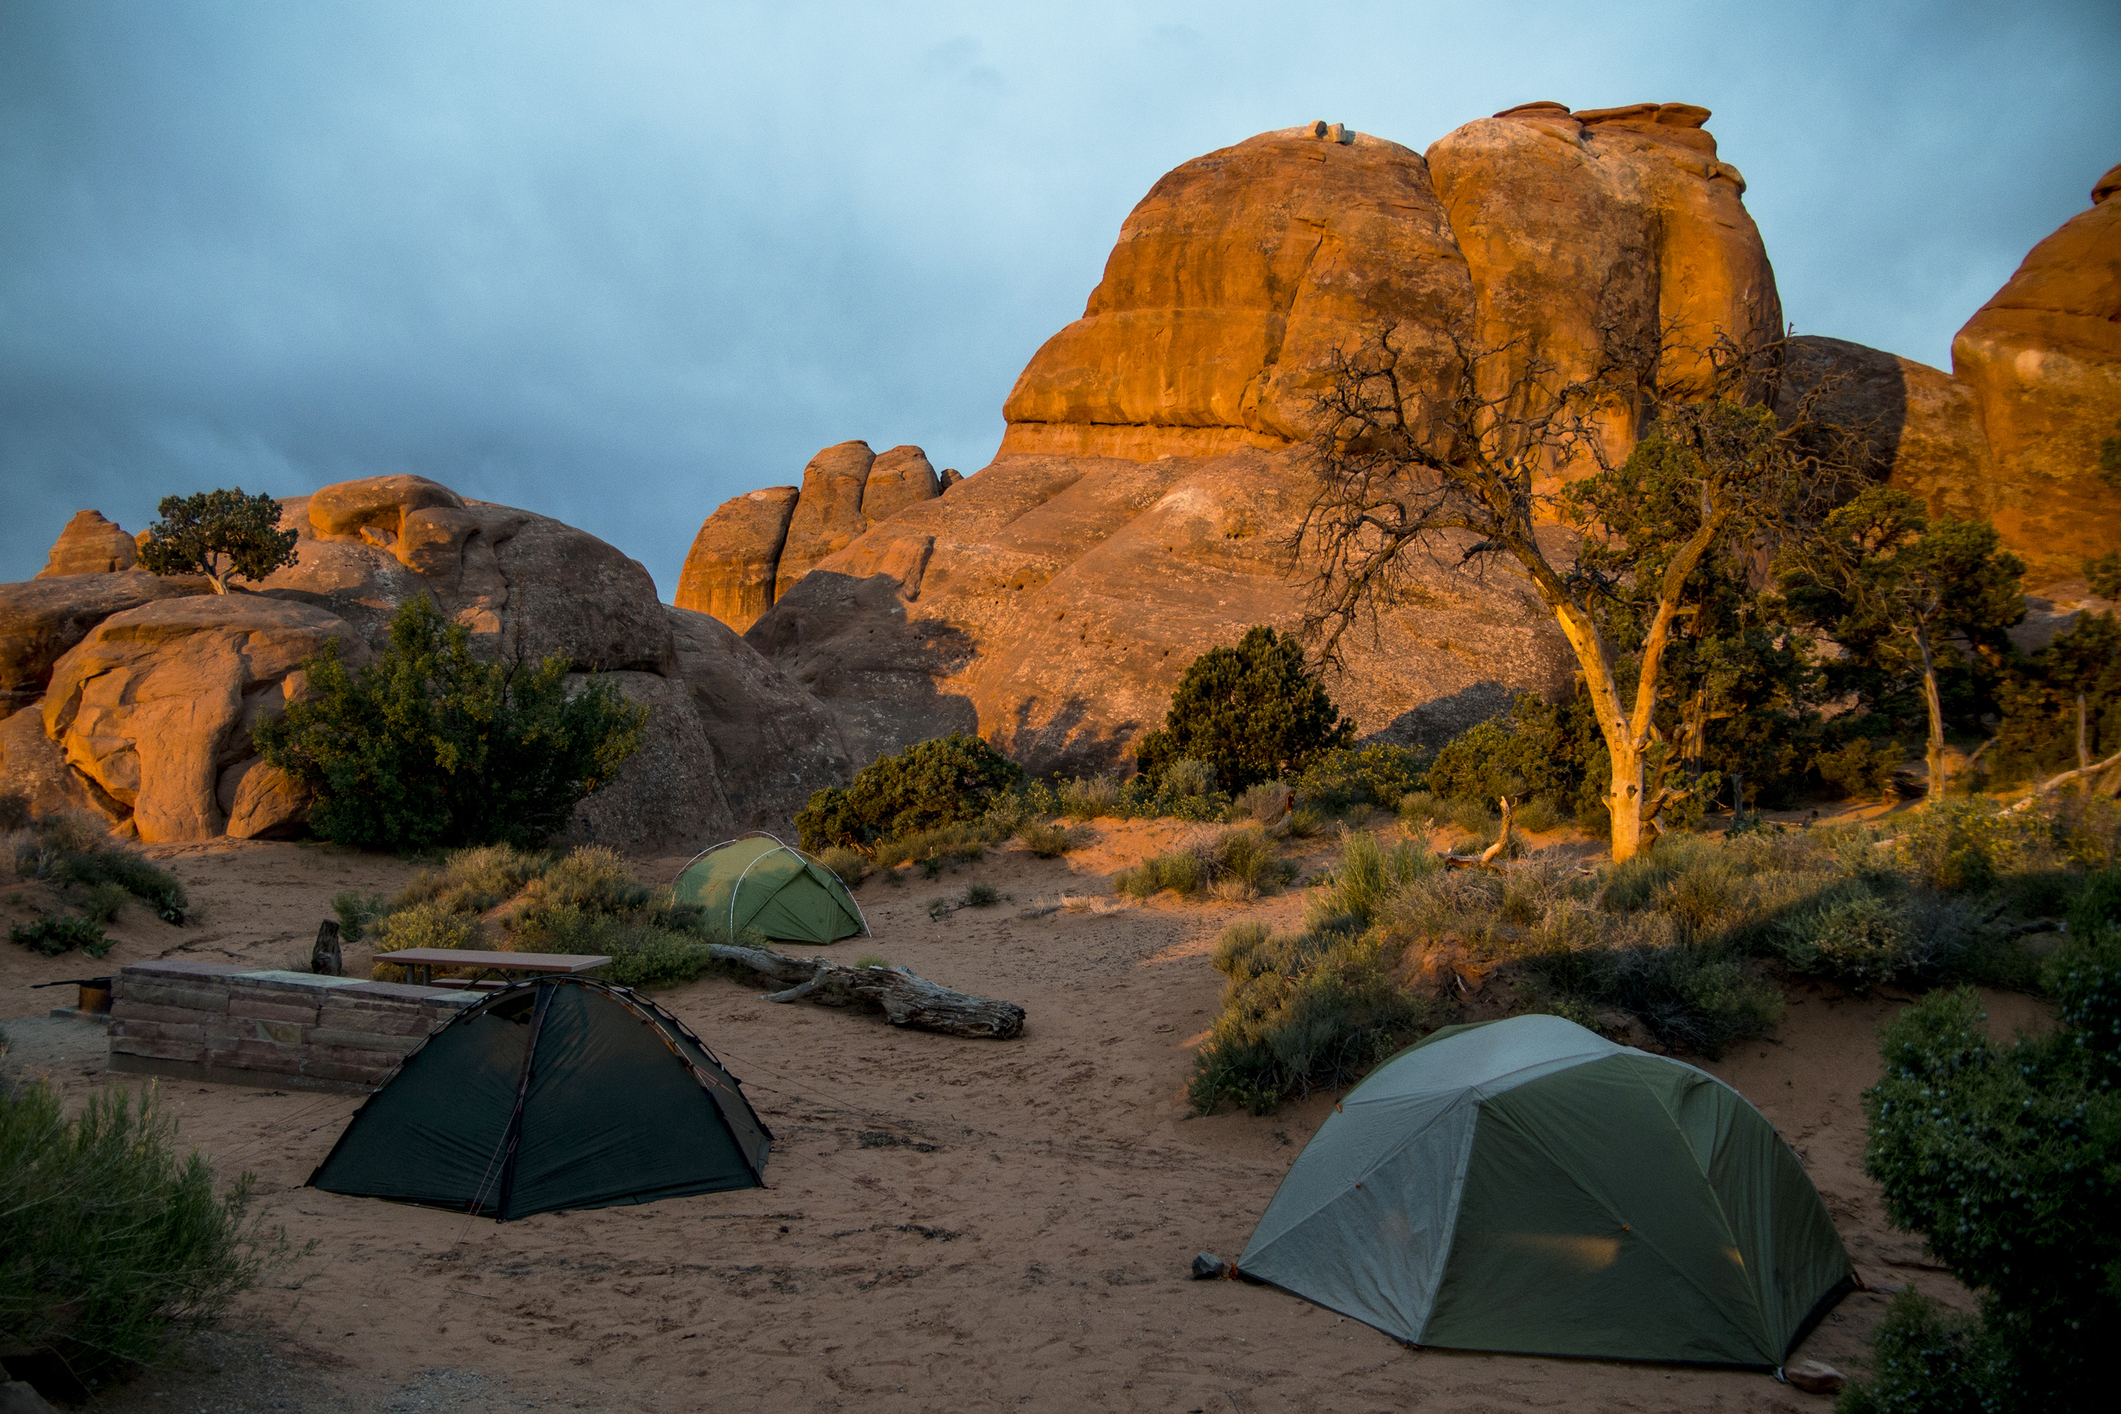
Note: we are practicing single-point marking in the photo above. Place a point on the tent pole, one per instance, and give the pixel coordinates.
(515, 1120)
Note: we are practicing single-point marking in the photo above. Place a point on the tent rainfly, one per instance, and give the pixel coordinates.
(1528, 1186)
(548, 1095)
(760, 885)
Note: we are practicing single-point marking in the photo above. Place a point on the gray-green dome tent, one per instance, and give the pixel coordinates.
(1527, 1186)
(554, 1094)
(760, 885)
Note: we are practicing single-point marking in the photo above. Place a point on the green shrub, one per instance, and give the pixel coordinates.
(1183, 871)
(102, 902)
(53, 936)
(356, 911)
(643, 954)
(421, 925)
(1253, 712)
(1367, 875)
(115, 1249)
(1535, 748)
(1369, 775)
(1926, 1361)
(427, 746)
(982, 896)
(1851, 935)
(220, 534)
(951, 780)
(1300, 1012)
(1861, 769)
(1539, 815)
(1690, 997)
(592, 878)
(2006, 1160)
(73, 851)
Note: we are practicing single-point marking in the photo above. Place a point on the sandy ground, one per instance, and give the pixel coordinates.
(948, 1225)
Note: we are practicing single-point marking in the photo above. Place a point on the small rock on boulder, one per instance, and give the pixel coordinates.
(898, 478)
(90, 545)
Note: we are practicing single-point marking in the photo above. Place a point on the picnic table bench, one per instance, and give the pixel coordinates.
(420, 963)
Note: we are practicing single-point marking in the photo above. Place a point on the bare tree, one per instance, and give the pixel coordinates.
(1460, 453)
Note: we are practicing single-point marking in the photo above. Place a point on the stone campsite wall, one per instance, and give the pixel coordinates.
(241, 1026)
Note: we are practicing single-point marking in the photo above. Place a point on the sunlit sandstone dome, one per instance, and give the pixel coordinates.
(1139, 509)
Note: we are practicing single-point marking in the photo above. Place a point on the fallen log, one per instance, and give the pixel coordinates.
(907, 999)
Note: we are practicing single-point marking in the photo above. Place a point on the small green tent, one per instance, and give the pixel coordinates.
(1528, 1186)
(554, 1094)
(757, 884)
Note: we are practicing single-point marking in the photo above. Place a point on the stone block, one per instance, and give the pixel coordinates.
(188, 1031)
(336, 1039)
(124, 1009)
(275, 1006)
(256, 1055)
(157, 1047)
(393, 1021)
(193, 996)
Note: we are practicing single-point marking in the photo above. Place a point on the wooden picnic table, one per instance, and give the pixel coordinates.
(420, 963)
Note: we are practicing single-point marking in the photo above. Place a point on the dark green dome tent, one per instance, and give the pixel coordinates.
(1528, 1186)
(553, 1094)
(760, 885)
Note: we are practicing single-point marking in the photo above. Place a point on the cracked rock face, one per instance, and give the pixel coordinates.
(155, 706)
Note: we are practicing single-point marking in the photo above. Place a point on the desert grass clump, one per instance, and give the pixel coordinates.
(591, 878)
(75, 854)
(1046, 840)
(50, 937)
(356, 912)
(116, 1248)
(1367, 875)
(1242, 859)
(935, 849)
(1265, 803)
(850, 865)
(1089, 797)
(474, 880)
(1300, 1012)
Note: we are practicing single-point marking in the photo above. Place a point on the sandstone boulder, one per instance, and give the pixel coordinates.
(1233, 282)
(155, 706)
(90, 545)
(828, 514)
(772, 743)
(1577, 228)
(2043, 358)
(898, 478)
(667, 798)
(43, 617)
(1052, 603)
(1923, 425)
(527, 586)
(730, 569)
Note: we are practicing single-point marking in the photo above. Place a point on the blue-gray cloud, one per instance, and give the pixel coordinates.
(617, 262)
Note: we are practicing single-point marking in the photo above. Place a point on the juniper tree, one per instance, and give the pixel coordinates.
(198, 533)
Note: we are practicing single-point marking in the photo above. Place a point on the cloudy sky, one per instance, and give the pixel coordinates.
(618, 261)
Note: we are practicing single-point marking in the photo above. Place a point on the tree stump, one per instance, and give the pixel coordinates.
(324, 958)
(906, 999)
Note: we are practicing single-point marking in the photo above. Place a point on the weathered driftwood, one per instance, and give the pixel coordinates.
(907, 1000)
(1486, 857)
